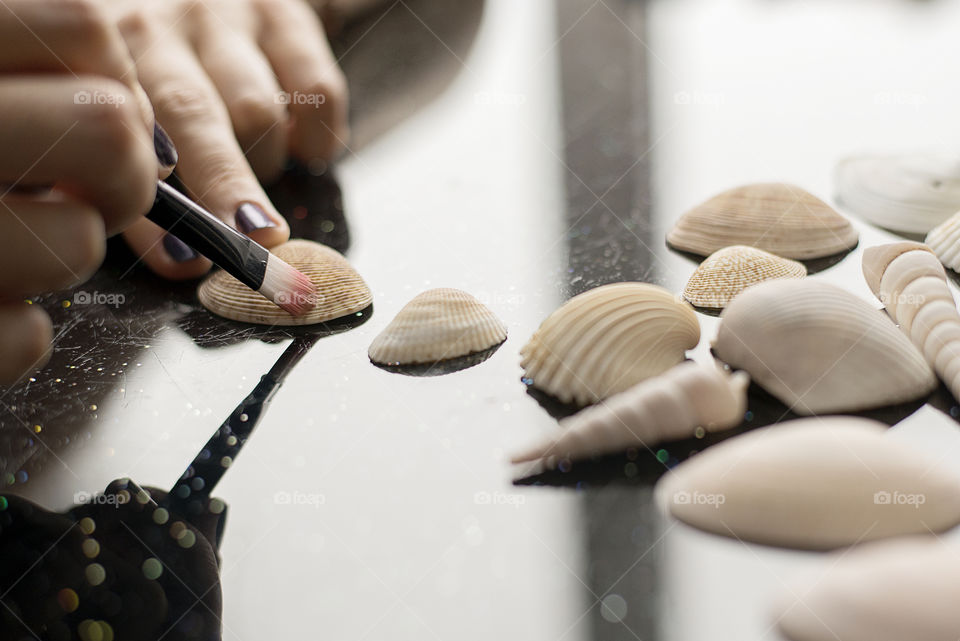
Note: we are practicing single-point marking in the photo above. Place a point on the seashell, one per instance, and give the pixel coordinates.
(944, 241)
(820, 349)
(728, 271)
(666, 407)
(886, 591)
(909, 280)
(904, 192)
(607, 340)
(814, 483)
(437, 325)
(340, 289)
(782, 219)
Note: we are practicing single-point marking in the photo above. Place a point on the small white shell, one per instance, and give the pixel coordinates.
(782, 219)
(437, 325)
(905, 192)
(815, 483)
(944, 241)
(608, 339)
(820, 349)
(667, 407)
(728, 271)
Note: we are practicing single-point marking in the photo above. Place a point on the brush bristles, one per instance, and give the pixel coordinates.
(288, 288)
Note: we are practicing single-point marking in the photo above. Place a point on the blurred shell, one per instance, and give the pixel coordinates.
(944, 241)
(782, 219)
(667, 407)
(905, 192)
(728, 271)
(340, 290)
(608, 339)
(819, 348)
(815, 483)
(437, 325)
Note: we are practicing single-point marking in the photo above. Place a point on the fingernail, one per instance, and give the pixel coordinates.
(178, 250)
(251, 217)
(166, 152)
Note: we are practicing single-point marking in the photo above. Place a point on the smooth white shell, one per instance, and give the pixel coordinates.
(944, 241)
(728, 271)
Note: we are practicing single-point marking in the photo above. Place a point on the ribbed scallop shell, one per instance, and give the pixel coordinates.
(437, 325)
(667, 407)
(905, 192)
(820, 349)
(815, 483)
(782, 219)
(608, 339)
(340, 289)
(728, 271)
(944, 241)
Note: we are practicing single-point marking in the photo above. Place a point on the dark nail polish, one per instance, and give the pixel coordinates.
(178, 250)
(251, 218)
(166, 152)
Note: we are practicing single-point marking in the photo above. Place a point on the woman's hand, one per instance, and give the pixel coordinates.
(79, 160)
(240, 85)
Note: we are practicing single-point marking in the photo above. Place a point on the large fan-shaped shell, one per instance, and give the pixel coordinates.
(728, 271)
(608, 339)
(944, 241)
(815, 483)
(779, 218)
(340, 289)
(819, 348)
(437, 325)
(906, 192)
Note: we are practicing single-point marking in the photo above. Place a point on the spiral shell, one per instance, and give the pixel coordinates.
(820, 349)
(782, 219)
(944, 241)
(608, 339)
(728, 271)
(667, 407)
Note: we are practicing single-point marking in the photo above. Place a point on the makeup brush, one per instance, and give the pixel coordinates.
(239, 255)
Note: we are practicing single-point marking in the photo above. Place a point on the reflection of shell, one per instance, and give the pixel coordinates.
(728, 271)
(608, 339)
(815, 483)
(944, 240)
(911, 283)
(781, 219)
(667, 407)
(340, 290)
(437, 325)
(820, 349)
(905, 192)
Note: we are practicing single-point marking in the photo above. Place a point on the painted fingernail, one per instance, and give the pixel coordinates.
(251, 217)
(178, 250)
(166, 152)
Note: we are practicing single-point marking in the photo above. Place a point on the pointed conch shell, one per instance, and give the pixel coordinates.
(820, 349)
(782, 219)
(909, 280)
(667, 407)
(608, 339)
(814, 483)
(944, 241)
(905, 192)
(728, 271)
(340, 289)
(436, 325)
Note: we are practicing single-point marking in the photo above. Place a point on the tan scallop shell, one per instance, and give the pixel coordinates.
(820, 349)
(666, 407)
(436, 325)
(944, 241)
(814, 483)
(779, 218)
(340, 290)
(728, 271)
(608, 339)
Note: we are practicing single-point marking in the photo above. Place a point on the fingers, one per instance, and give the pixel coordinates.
(25, 335)
(164, 253)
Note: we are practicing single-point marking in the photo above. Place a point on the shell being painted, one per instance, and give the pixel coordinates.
(944, 241)
(667, 407)
(608, 339)
(340, 289)
(782, 219)
(728, 271)
(820, 349)
(437, 325)
(813, 483)
(905, 192)
(909, 280)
